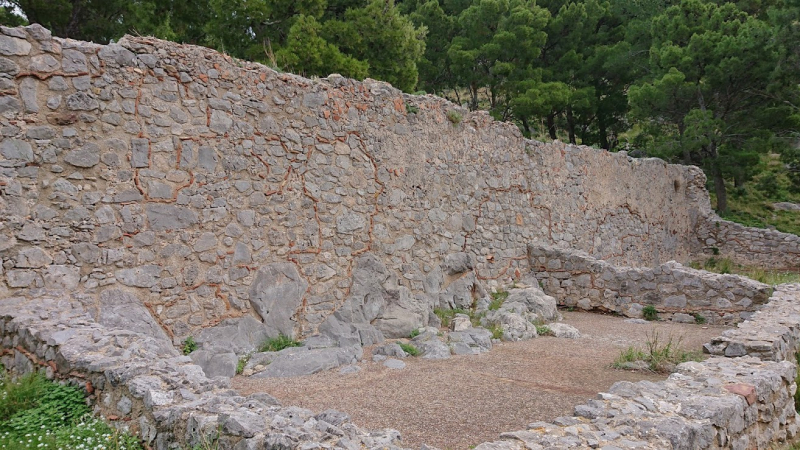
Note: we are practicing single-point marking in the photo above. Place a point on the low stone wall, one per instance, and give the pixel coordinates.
(759, 247)
(155, 392)
(576, 279)
(737, 403)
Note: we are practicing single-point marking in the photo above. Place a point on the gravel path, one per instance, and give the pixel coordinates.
(466, 400)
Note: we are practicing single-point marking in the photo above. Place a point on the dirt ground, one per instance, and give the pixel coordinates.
(466, 400)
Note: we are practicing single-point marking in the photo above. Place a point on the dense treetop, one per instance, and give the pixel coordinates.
(706, 82)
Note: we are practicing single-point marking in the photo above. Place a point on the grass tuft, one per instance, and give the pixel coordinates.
(278, 343)
(409, 348)
(659, 353)
(650, 312)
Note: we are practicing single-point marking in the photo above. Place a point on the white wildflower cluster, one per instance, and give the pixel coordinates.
(88, 434)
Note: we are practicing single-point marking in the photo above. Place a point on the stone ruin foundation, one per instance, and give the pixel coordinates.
(151, 191)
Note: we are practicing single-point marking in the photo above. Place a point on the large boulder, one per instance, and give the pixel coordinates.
(297, 361)
(276, 293)
(216, 364)
(121, 309)
(535, 301)
(240, 335)
(429, 344)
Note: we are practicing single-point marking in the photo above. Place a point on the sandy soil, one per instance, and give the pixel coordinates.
(466, 400)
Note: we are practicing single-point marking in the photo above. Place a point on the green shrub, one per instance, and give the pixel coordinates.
(650, 312)
(544, 330)
(412, 109)
(189, 345)
(414, 333)
(409, 348)
(454, 117)
(278, 343)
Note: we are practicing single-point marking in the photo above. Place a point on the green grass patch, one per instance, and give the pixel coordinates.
(544, 330)
(497, 330)
(661, 354)
(454, 117)
(241, 363)
(36, 413)
(278, 343)
(414, 333)
(498, 298)
(446, 315)
(650, 312)
(409, 348)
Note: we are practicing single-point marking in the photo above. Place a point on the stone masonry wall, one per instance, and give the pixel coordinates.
(741, 399)
(212, 188)
(576, 279)
(750, 246)
(744, 401)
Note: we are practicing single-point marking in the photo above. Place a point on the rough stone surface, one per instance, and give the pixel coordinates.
(203, 185)
(677, 292)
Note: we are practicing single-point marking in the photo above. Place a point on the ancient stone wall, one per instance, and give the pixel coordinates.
(742, 401)
(214, 188)
(757, 247)
(678, 293)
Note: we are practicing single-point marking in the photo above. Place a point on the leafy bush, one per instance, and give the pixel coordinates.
(414, 333)
(649, 312)
(544, 330)
(412, 109)
(279, 343)
(409, 348)
(189, 345)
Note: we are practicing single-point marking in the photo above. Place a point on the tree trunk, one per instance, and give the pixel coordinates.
(601, 129)
(719, 189)
(571, 125)
(526, 128)
(551, 125)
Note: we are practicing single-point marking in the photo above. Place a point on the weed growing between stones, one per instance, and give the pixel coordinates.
(409, 348)
(544, 330)
(36, 413)
(497, 330)
(412, 109)
(454, 117)
(414, 333)
(497, 300)
(658, 354)
(698, 318)
(446, 315)
(189, 345)
(279, 343)
(242, 362)
(649, 312)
